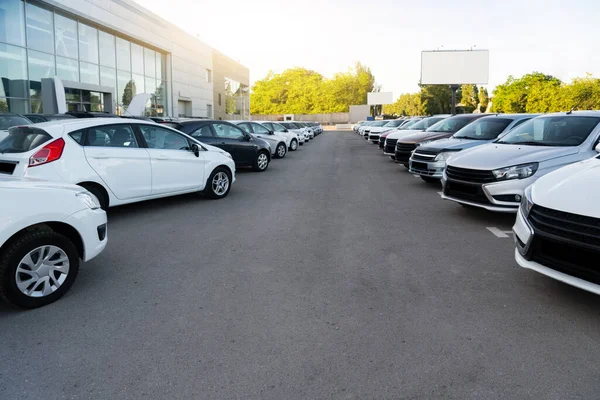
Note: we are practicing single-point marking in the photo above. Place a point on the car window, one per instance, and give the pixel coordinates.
(519, 122)
(6, 121)
(77, 136)
(277, 127)
(164, 139)
(484, 129)
(245, 126)
(449, 125)
(111, 136)
(228, 131)
(203, 131)
(552, 131)
(23, 139)
(35, 119)
(260, 129)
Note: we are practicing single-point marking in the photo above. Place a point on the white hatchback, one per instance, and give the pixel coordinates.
(120, 161)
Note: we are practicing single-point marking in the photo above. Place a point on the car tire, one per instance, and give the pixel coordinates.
(280, 150)
(429, 179)
(100, 194)
(218, 184)
(294, 145)
(259, 165)
(34, 244)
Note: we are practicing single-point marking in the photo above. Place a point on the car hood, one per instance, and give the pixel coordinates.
(570, 189)
(401, 134)
(496, 155)
(422, 136)
(379, 129)
(454, 144)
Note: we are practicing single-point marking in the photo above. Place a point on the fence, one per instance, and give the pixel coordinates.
(325, 119)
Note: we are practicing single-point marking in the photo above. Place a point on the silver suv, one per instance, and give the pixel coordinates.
(494, 176)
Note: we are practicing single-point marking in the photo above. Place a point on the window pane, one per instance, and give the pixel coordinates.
(12, 19)
(89, 73)
(36, 106)
(66, 36)
(160, 66)
(160, 98)
(228, 131)
(40, 29)
(149, 62)
(88, 43)
(67, 69)
(123, 55)
(137, 59)
(17, 106)
(112, 136)
(13, 72)
(125, 88)
(138, 86)
(107, 49)
(97, 101)
(160, 138)
(108, 77)
(202, 132)
(73, 95)
(41, 65)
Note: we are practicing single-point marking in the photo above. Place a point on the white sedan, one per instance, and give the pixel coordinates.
(45, 229)
(295, 138)
(120, 161)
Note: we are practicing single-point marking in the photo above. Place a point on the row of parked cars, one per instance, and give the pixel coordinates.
(57, 178)
(540, 167)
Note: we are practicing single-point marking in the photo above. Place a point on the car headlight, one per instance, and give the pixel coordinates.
(89, 200)
(526, 202)
(516, 172)
(444, 156)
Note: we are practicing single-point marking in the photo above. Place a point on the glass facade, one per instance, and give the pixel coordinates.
(38, 42)
(237, 99)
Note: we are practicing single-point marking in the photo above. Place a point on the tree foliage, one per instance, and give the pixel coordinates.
(406, 104)
(303, 91)
(484, 99)
(470, 96)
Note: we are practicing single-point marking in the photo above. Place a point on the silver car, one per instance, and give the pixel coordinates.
(494, 176)
(277, 142)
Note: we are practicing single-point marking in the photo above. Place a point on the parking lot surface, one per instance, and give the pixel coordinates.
(334, 274)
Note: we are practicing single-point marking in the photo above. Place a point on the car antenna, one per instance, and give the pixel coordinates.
(578, 104)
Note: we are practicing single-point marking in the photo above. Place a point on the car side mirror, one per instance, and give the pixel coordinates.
(597, 148)
(246, 138)
(196, 149)
(271, 133)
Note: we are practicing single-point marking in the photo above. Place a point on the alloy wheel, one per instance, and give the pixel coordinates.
(294, 145)
(220, 183)
(42, 271)
(262, 161)
(281, 150)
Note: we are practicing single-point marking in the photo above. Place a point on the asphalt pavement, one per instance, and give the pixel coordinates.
(334, 274)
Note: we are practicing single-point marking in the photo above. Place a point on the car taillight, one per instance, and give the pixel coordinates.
(50, 152)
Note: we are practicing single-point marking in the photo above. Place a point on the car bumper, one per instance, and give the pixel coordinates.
(402, 157)
(490, 196)
(374, 138)
(432, 169)
(91, 225)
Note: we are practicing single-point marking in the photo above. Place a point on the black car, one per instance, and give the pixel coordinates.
(247, 151)
(37, 118)
(91, 114)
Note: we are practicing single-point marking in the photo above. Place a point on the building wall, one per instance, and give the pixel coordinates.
(225, 67)
(189, 58)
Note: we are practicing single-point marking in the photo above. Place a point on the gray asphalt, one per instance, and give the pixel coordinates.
(335, 274)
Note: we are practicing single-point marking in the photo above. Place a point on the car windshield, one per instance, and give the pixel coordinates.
(379, 123)
(409, 125)
(565, 130)
(484, 129)
(7, 121)
(278, 127)
(426, 123)
(449, 125)
(21, 140)
(394, 123)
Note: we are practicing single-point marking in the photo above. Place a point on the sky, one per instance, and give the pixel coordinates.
(556, 37)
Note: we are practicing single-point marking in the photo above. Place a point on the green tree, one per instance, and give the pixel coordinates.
(483, 98)
(437, 99)
(535, 92)
(470, 97)
(406, 104)
(581, 94)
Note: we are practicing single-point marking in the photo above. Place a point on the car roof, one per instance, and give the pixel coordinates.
(583, 113)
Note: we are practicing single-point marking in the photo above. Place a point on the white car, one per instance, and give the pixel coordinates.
(295, 138)
(389, 148)
(557, 231)
(295, 128)
(279, 143)
(307, 128)
(120, 161)
(45, 229)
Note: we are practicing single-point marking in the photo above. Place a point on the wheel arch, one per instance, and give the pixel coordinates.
(55, 226)
(98, 186)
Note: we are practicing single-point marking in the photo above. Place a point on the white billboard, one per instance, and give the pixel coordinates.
(455, 67)
(378, 98)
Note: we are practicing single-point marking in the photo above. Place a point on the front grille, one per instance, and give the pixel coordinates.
(567, 258)
(391, 142)
(461, 191)
(420, 168)
(403, 151)
(381, 142)
(424, 155)
(8, 167)
(469, 175)
(565, 226)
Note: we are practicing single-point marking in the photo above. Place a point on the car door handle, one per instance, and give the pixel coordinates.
(162, 157)
(101, 156)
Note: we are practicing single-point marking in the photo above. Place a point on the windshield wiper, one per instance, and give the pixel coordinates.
(530, 143)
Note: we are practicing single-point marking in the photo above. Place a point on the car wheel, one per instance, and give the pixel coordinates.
(429, 179)
(280, 151)
(261, 162)
(294, 145)
(218, 183)
(37, 268)
(100, 194)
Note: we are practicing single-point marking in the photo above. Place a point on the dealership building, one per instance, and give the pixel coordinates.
(107, 51)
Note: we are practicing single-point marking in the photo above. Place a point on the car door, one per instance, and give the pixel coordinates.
(260, 131)
(235, 141)
(115, 155)
(175, 167)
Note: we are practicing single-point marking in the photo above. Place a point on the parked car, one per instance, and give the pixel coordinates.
(278, 143)
(37, 118)
(91, 114)
(429, 160)
(441, 130)
(364, 126)
(375, 132)
(316, 127)
(10, 120)
(296, 137)
(366, 130)
(247, 151)
(557, 231)
(389, 147)
(358, 125)
(294, 127)
(308, 129)
(404, 127)
(45, 229)
(494, 176)
(119, 161)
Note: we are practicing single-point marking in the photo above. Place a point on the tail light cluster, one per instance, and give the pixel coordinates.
(50, 152)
